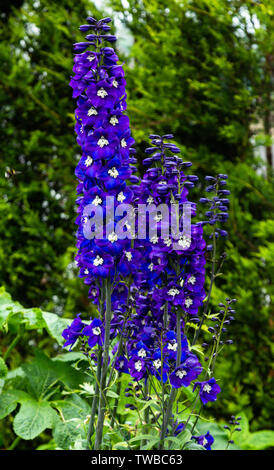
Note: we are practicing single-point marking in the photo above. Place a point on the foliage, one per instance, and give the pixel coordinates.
(37, 208)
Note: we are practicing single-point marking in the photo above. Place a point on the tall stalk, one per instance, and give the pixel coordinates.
(173, 393)
(102, 404)
(95, 398)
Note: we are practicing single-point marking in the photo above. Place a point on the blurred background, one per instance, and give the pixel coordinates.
(203, 70)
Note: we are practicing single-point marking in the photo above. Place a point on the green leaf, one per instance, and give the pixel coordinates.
(191, 445)
(9, 400)
(65, 434)
(33, 418)
(3, 368)
(260, 440)
(55, 325)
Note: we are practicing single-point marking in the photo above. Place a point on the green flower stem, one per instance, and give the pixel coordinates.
(102, 404)
(95, 398)
(14, 342)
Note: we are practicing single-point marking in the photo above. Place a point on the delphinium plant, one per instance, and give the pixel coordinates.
(144, 262)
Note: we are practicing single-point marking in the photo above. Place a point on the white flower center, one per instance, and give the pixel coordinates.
(154, 240)
(142, 353)
(94, 292)
(88, 161)
(86, 271)
(173, 292)
(204, 443)
(184, 242)
(85, 219)
(115, 83)
(172, 346)
(92, 111)
(167, 241)
(150, 200)
(121, 197)
(157, 363)
(123, 143)
(181, 373)
(96, 331)
(121, 364)
(102, 92)
(98, 261)
(192, 280)
(158, 217)
(150, 267)
(97, 201)
(102, 142)
(112, 237)
(138, 366)
(188, 302)
(91, 58)
(128, 255)
(113, 172)
(207, 388)
(113, 120)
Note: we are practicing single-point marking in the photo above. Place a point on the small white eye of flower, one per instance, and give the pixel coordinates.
(112, 237)
(92, 111)
(150, 200)
(123, 143)
(154, 240)
(102, 142)
(113, 120)
(173, 292)
(94, 292)
(142, 353)
(86, 271)
(102, 92)
(204, 443)
(91, 58)
(192, 280)
(113, 172)
(181, 373)
(96, 331)
(150, 267)
(184, 242)
(115, 83)
(172, 346)
(138, 366)
(158, 217)
(98, 261)
(121, 364)
(167, 241)
(85, 219)
(128, 255)
(121, 197)
(207, 388)
(157, 363)
(88, 160)
(97, 201)
(188, 302)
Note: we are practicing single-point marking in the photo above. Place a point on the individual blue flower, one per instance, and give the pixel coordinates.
(94, 332)
(186, 372)
(137, 367)
(73, 332)
(208, 390)
(205, 440)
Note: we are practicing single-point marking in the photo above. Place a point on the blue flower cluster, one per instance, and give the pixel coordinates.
(104, 136)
